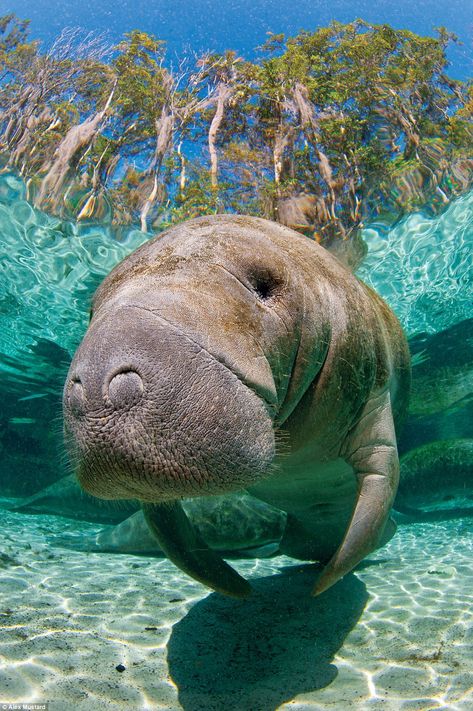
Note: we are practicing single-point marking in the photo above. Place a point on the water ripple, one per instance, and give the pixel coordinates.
(423, 267)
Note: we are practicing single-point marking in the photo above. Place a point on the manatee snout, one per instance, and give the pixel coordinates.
(122, 390)
(150, 414)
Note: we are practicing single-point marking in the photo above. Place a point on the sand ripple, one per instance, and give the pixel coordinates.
(396, 635)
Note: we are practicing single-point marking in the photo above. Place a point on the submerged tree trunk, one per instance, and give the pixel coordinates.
(148, 205)
(164, 136)
(66, 157)
(17, 118)
(284, 138)
(25, 147)
(224, 92)
(182, 174)
(309, 123)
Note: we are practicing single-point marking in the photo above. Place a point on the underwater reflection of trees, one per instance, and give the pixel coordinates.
(259, 653)
(326, 131)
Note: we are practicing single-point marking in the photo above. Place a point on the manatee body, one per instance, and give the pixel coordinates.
(441, 399)
(437, 476)
(230, 353)
(66, 498)
(442, 370)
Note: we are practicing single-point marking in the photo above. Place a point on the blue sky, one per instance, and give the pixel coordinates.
(242, 24)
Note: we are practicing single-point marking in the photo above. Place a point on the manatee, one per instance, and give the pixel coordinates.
(66, 498)
(441, 398)
(237, 524)
(437, 476)
(442, 372)
(231, 353)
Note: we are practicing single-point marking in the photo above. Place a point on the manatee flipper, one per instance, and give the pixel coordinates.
(371, 450)
(182, 544)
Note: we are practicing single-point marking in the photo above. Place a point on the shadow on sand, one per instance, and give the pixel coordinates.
(259, 653)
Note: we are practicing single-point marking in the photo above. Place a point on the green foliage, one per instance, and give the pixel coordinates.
(140, 78)
(15, 50)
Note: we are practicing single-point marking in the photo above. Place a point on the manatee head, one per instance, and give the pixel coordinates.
(191, 358)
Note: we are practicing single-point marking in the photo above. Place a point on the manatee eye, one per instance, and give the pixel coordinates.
(264, 283)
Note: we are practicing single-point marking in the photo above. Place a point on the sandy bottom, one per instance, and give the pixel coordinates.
(398, 634)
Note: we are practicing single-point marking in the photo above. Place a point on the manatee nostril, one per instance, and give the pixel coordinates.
(76, 396)
(125, 388)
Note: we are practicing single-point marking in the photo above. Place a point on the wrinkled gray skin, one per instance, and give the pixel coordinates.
(232, 353)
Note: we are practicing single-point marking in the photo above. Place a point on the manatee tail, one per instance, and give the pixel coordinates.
(183, 545)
